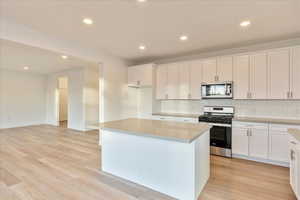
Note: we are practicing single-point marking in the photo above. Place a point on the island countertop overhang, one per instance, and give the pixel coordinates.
(167, 130)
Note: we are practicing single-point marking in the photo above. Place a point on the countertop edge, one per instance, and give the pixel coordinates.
(295, 133)
(187, 141)
(193, 116)
(264, 120)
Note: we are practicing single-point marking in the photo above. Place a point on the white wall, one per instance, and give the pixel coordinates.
(113, 70)
(91, 95)
(22, 99)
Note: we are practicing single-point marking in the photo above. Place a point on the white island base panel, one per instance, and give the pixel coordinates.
(174, 168)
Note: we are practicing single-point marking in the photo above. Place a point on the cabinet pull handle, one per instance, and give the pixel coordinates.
(292, 155)
(291, 94)
(288, 95)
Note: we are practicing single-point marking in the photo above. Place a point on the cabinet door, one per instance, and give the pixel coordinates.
(279, 74)
(297, 160)
(161, 81)
(258, 143)
(224, 69)
(295, 73)
(278, 146)
(259, 76)
(209, 70)
(132, 76)
(184, 80)
(240, 141)
(241, 77)
(173, 81)
(145, 74)
(195, 79)
(294, 171)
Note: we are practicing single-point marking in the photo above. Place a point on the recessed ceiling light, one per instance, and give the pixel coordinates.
(26, 68)
(142, 47)
(245, 23)
(64, 57)
(88, 21)
(184, 37)
(141, 1)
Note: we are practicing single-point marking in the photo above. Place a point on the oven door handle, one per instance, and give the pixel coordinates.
(221, 125)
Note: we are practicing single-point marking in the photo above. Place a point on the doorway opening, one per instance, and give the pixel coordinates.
(63, 99)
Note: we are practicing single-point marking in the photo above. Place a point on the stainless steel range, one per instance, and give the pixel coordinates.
(221, 132)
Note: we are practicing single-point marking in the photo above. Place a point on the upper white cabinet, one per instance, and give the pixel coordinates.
(209, 70)
(279, 74)
(258, 88)
(184, 80)
(161, 81)
(295, 73)
(140, 76)
(195, 79)
(241, 77)
(173, 81)
(270, 74)
(224, 69)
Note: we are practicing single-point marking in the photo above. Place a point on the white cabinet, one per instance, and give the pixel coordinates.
(295, 73)
(184, 80)
(209, 68)
(173, 81)
(258, 88)
(279, 74)
(241, 76)
(195, 79)
(250, 140)
(224, 69)
(140, 76)
(258, 142)
(240, 141)
(161, 81)
(279, 142)
(295, 166)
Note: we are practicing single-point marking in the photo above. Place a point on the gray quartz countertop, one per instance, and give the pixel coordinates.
(295, 133)
(168, 130)
(267, 120)
(176, 115)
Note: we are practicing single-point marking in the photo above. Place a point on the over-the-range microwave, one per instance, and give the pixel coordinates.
(222, 90)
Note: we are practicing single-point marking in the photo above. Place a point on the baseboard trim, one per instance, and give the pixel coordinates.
(272, 162)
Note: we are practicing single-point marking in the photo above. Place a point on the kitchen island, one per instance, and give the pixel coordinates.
(169, 157)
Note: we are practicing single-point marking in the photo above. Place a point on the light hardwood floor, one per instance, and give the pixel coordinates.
(54, 163)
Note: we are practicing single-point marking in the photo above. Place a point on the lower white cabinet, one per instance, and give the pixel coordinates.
(262, 142)
(250, 140)
(295, 166)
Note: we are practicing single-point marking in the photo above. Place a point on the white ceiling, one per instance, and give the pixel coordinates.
(15, 56)
(120, 26)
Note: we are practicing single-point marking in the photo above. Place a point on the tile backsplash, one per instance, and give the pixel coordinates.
(250, 108)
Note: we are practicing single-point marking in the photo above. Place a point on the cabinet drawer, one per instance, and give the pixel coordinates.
(282, 127)
(250, 125)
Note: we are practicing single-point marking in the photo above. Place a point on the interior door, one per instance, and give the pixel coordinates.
(279, 74)
(258, 143)
(241, 77)
(195, 79)
(209, 70)
(240, 141)
(259, 76)
(161, 81)
(173, 81)
(295, 73)
(184, 80)
(225, 69)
